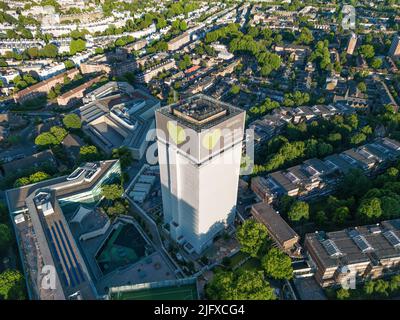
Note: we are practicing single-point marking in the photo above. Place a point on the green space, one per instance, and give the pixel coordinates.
(183, 292)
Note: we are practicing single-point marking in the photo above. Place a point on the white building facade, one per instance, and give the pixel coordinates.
(199, 157)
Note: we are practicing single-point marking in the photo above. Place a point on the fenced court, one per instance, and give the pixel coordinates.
(184, 289)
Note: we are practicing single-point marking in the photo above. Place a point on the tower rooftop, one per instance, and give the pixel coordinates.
(200, 111)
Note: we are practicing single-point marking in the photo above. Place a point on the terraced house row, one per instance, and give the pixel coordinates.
(315, 176)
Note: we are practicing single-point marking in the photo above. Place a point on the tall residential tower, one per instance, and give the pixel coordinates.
(199, 152)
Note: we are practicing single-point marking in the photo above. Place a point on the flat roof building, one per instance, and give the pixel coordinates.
(46, 244)
(117, 115)
(179, 41)
(283, 235)
(365, 252)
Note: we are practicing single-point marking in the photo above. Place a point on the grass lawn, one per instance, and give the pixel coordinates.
(237, 258)
(184, 292)
(252, 264)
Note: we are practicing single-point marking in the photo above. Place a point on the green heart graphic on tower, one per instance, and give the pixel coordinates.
(176, 132)
(211, 138)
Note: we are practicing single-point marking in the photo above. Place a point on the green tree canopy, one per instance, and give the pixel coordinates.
(367, 51)
(72, 121)
(251, 236)
(49, 51)
(89, 153)
(124, 155)
(112, 191)
(245, 285)
(12, 285)
(5, 238)
(299, 210)
(77, 45)
(370, 209)
(342, 294)
(59, 133)
(69, 64)
(277, 264)
(46, 139)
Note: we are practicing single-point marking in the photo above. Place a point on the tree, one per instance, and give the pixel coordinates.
(251, 235)
(354, 183)
(77, 45)
(5, 238)
(49, 51)
(183, 25)
(23, 181)
(38, 176)
(245, 285)
(395, 283)
(381, 287)
(305, 36)
(32, 52)
(376, 63)
(299, 210)
(277, 264)
(45, 139)
(12, 285)
(185, 62)
(3, 212)
(235, 89)
(124, 155)
(72, 121)
(322, 55)
(358, 138)
(161, 23)
(88, 153)
(367, 51)
(69, 64)
(369, 287)
(59, 133)
(341, 214)
(51, 94)
(342, 294)
(33, 178)
(362, 86)
(370, 209)
(117, 209)
(112, 191)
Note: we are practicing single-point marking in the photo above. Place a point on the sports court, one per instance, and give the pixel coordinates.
(182, 292)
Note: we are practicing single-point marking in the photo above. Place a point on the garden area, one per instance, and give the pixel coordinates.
(249, 273)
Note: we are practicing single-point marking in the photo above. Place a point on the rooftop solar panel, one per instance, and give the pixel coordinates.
(331, 248)
(64, 261)
(76, 263)
(66, 252)
(57, 258)
(392, 238)
(362, 243)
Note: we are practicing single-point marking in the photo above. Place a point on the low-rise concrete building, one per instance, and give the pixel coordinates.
(43, 87)
(117, 115)
(179, 41)
(283, 235)
(359, 253)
